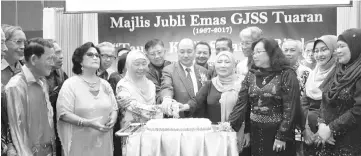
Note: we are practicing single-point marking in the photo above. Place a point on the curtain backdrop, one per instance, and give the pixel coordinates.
(70, 31)
(349, 17)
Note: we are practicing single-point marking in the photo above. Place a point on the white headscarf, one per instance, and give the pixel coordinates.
(131, 57)
(319, 74)
(144, 87)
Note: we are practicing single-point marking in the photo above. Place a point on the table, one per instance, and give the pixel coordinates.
(170, 143)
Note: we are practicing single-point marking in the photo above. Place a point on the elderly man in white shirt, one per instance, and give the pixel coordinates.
(248, 36)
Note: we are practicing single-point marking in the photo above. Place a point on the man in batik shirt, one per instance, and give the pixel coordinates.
(29, 109)
(292, 49)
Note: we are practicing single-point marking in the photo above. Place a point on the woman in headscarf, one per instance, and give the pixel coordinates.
(217, 97)
(323, 50)
(135, 94)
(268, 102)
(340, 118)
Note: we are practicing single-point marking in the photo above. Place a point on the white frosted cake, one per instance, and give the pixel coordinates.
(187, 124)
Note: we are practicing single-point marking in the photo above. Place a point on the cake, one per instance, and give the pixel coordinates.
(187, 124)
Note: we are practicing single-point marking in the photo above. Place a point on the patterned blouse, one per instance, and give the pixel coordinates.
(273, 102)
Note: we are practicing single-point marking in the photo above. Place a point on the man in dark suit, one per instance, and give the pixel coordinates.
(182, 80)
(154, 49)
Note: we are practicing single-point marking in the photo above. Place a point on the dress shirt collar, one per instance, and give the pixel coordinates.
(4, 64)
(185, 67)
(29, 76)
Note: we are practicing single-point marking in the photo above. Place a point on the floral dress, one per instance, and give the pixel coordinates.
(142, 106)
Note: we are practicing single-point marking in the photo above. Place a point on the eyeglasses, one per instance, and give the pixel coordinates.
(153, 54)
(246, 43)
(105, 56)
(92, 55)
(19, 41)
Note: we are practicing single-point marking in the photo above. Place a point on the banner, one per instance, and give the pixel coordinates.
(133, 30)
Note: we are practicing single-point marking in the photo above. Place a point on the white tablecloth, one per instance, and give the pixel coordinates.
(148, 143)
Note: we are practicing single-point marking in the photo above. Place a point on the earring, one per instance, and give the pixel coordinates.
(81, 68)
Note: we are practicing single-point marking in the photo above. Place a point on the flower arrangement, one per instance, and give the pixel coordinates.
(203, 78)
(224, 126)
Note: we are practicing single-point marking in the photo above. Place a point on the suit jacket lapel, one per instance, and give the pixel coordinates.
(183, 78)
(198, 76)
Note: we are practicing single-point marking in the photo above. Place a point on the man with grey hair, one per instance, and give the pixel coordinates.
(292, 49)
(107, 57)
(181, 80)
(7, 147)
(247, 36)
(15, 40)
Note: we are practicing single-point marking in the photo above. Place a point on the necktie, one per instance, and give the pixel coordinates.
(189, 78)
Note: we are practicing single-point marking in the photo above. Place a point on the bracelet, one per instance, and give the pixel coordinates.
(81, 122)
